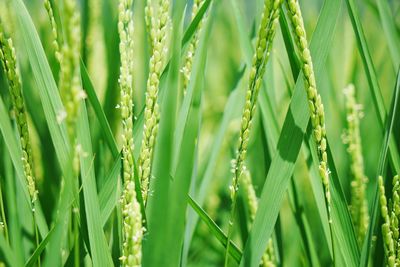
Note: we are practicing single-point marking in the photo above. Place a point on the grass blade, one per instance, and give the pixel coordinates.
(389, 27)
(109, 195)
(372, 79)
(98, 246)
(195, 22)
(216, 231)
(94, 101)
(231, 110)
(9, 256)
(38, 251)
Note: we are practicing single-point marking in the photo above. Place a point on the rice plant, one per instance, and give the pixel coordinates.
(199, 133)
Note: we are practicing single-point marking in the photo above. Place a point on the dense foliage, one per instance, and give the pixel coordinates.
(199, 133)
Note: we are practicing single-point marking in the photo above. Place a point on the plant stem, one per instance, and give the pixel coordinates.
(3, 216)
(35, 227)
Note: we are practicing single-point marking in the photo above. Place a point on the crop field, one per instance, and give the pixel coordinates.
(174, 133)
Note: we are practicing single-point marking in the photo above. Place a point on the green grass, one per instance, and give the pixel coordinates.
(78, 218)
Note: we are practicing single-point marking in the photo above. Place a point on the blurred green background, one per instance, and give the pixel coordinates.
(224, 73)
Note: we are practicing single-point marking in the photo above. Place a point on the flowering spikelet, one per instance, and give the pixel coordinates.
(314, 99)
(387, 232)
(9, 62)
(151, 111)
(132, 227)
(53, 24)
(268, 258)
(266, 33)
(132, 218)
(70, 85)
(187, 68)
(250, 194)
(359, 206)
(149, 20)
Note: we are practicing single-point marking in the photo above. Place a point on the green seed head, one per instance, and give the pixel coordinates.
(9, 62)
(132, 217)
(187, 68)
(159, 25)
(54, 28)
(132, 227)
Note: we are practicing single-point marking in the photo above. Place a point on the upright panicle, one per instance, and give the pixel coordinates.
(149, 20)
(159, 31)
(54, 29)
(9, 62)
(132, 217)
(187, 67)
